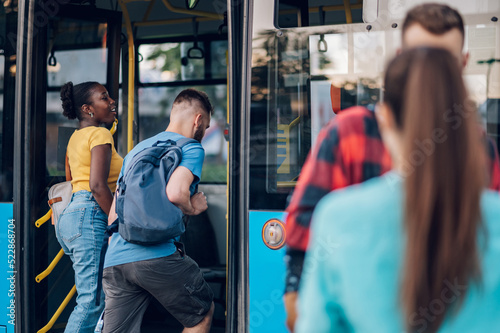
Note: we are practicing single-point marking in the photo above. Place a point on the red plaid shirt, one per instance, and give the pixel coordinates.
(348, 151)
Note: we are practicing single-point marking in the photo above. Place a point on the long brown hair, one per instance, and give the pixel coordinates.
(444, 174)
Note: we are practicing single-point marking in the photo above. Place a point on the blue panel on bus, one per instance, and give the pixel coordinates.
(7, 273)
(266, 278)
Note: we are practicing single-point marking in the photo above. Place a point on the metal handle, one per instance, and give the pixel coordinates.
(322, 45)
(52, 59)
(198, 49)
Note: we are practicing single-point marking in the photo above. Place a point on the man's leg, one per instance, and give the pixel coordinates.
(204, 325)
(177, 283)
(125, 301)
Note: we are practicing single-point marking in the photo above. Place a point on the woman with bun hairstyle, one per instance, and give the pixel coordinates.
(417, 249)
(94, 166)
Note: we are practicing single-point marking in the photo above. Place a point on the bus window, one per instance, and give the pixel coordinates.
(300, 79)
(77, 66)
(399, 8)
(482, 74)
(163, 70)
(70, 65)
(78, 53)
(297, 13)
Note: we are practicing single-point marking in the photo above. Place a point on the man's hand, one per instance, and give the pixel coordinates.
(199, 203)
(290, 300)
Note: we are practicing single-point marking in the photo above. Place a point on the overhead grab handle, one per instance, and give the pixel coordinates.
(223, 25)
(322, 45)
(195, 52)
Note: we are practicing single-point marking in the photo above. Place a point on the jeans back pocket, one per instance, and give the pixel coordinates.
(70, 224)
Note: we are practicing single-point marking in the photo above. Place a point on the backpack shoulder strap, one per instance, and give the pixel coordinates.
(185, 141)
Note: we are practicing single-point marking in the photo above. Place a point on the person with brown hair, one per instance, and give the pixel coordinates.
(349, 150)
(416, 249)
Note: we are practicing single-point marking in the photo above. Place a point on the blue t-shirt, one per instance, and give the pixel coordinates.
(352, 271)
(122, 252)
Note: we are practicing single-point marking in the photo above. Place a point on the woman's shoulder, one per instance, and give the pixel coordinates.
(369, 192)
(91, 131)
(97, 130)
(373, 199)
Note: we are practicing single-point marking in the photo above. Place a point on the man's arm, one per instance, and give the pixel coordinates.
(112, 216)
(178, 192)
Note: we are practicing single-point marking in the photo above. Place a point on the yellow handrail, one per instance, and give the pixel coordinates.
(60, 309)
(43, 219)
(348, 13)
(131, 75)
(294, 122)
(49, 269)
(148, 11)
(172, 21)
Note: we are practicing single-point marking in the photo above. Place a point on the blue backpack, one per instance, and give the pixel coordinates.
(145, 215)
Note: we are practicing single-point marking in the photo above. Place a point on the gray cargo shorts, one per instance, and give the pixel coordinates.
(175, 281)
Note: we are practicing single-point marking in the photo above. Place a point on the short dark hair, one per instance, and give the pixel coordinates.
(190, 95)
(435, 18)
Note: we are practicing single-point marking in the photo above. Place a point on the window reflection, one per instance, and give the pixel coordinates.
(59, 129)
(321, 12)
(74, 65)
(168, 62)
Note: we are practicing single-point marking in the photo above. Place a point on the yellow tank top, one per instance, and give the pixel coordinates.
(79, 153)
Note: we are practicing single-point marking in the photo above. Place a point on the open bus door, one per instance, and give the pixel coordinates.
(56, 43)
(304, 61)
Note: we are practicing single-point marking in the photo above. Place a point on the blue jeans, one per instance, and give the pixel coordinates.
(80, 231)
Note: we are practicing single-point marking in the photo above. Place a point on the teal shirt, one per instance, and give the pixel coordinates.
(122, 252)
(352, 269)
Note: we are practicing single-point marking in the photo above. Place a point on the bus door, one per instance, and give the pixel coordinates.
(308, 61)
(8, 27)
(73, 43)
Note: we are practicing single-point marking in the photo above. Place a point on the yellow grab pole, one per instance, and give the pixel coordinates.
(61, 308)
(131, 76)
(348, 13)
(43, 219)
(49, 269)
